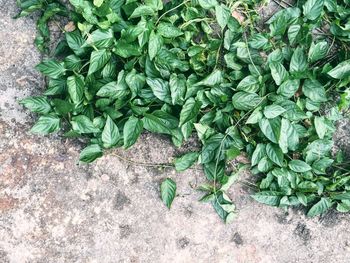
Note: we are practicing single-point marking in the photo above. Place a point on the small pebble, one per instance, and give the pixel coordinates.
(104, 177)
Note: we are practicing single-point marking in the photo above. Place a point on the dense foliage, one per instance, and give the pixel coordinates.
(271, 89)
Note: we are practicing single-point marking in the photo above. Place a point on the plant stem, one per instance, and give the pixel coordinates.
(176, 7)
(161, 165)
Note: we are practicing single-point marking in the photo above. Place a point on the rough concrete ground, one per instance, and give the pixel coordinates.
(55, 210)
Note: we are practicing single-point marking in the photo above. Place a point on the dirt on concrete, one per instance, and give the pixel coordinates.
(55, 210)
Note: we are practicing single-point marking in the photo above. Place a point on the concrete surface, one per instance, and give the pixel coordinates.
(53, 210)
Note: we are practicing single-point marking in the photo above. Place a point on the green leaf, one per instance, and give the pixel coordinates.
(272, 111)
(314, 91)
(275, 154)
(313, 9)
(75, 41)
(255, 117)
(245, 101)
(232, 178)
(289, 138)
(125, 49)
(110, 134)
(343, 207)
(298, 62)
(265, 165)
(228, 38)
(100, 39)
(258, 41)
(154, 45)
(249, 84)
(320, 207)
(213, 79)
(72, 63)
(271, 128)
(177, 88)
(267, 181)
(299, 166)
(207, 198)
(343, 196)
(293, 33)
(232, 153)
(224, 207)
(341, 71)
(109, 70)
(208, 4)
(320, 166)
(62, 107)
(132, 131)
(160, 122)
(278, 72)
(51, 68)
(108, 90)
(135, 82)
(90, 153)
(318, 51)
(275, 57)
(209, 150)
(186, 161)
(320, 126)
(155, 4)
(98, 60)
(279, 24)
(258, 154)
(168, 191)
(307, 186)
(28, 7)
(37, 104)
(302, 198)
(285, 178)
(98, 3)
(145, 27)
(46, 124)
(142, 10)
(168, 60)
(268, 197)
(230, 216)
(167, 30)
(289, 87)
(160, 89)
(317, 149)
(115, 89)
(56, 87)
(222, 14)
(75, 85)
(189, 111)
(83, 124)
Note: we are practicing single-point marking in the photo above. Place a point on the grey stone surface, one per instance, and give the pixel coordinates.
(53, 209)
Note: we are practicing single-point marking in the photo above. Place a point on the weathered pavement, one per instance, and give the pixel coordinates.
(53, 209)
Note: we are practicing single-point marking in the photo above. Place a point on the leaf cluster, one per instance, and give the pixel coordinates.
(193, 67)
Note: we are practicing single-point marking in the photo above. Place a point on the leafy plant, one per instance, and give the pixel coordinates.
(47, 9)
(204, 67)
(168, 191)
